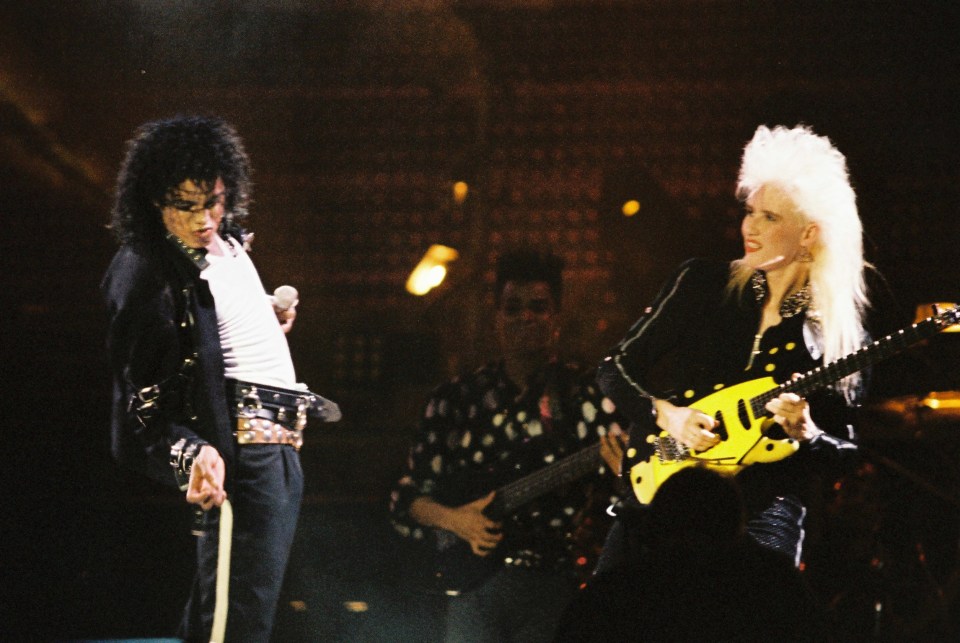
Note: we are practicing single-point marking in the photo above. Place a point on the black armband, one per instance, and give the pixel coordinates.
(182, 455)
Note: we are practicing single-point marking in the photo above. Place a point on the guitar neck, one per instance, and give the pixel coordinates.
(868, 355)
(514, 495)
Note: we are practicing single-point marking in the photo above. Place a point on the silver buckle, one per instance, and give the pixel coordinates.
(249, 404)
(302, 406)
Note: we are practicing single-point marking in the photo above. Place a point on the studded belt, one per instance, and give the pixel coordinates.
(264, 431)
(289, 406)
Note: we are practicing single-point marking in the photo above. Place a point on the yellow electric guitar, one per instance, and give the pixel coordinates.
(743, 423)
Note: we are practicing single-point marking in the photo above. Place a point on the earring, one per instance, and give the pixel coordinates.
(805, 256)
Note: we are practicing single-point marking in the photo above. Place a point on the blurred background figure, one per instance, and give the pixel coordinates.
(526, 412)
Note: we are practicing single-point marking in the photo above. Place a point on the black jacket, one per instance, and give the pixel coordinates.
(161, 313)
(695, 335)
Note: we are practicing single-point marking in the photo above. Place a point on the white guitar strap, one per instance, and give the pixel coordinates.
(222, 593)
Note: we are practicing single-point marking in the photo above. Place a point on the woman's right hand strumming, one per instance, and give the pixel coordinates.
(688, 426)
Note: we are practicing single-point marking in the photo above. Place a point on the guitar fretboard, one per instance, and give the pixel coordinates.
(868, 355)
(514, 495)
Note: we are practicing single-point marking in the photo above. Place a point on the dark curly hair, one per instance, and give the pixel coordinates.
(524, 265)
(165, 153)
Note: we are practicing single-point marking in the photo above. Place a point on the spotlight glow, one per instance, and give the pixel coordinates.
(460, 190)
(431, 271)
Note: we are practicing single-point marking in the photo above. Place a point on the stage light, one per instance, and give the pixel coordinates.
(460, 189)
(630, 208)
(357, 607)
(431, 270)
(942, 401)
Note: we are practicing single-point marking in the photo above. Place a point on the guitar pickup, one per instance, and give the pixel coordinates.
(721, 427)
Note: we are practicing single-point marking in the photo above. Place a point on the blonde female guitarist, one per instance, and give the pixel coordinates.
(718, 335)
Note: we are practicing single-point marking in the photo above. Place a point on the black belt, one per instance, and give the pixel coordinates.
(289, 407)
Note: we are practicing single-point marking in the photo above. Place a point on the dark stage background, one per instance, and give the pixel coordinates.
(359, 117)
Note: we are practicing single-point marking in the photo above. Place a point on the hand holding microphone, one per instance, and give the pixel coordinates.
(284, 300)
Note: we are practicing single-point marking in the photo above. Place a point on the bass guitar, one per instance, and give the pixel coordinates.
(454, 568)
(743, 424)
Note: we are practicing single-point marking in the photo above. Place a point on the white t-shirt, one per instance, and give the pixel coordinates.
(254, 346)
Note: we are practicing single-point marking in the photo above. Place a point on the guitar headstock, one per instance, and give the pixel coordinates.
(943, 315)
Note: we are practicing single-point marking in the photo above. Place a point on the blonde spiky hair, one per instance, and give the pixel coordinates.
(813, 173)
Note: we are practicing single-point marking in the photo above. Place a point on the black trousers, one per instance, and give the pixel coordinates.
(266, 506)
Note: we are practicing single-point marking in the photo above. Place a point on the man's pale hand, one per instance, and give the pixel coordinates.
(469, 522)
(206, 479)
(286, 316)
(612, 446)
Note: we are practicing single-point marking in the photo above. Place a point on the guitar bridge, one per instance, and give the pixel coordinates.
(669, 450)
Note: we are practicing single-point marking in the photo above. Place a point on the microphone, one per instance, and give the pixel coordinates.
(284, 297)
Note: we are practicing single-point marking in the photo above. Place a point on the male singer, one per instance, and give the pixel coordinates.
(194, 343)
